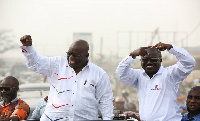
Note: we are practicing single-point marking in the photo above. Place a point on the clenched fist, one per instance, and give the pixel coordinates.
(26, 40)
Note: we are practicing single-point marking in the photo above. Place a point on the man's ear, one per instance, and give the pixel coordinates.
(87, 55)
(17, 88)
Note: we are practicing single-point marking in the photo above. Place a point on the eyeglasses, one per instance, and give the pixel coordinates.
(153, 60)
(195, 97)
(74, 54)
(6, 88)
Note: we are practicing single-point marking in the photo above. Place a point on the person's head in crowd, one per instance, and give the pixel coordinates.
(119, 103)
(132, 107)
(151, 62)
(124, 93)
(9, 87)
(193, 101)
(77, 55)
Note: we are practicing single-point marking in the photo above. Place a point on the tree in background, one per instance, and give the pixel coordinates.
(6, 40)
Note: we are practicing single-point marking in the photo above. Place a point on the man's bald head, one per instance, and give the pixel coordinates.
(77, 55)
(12, 81)
(80, 45)
(10, 86)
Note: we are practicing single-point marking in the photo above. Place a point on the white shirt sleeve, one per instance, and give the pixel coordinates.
(105, 96)
(183, 67)
(36, 113)
(38, 63)
(127, 74)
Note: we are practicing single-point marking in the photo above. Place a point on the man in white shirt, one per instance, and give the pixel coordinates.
(77, 87)
(40, 108)
(157, 87)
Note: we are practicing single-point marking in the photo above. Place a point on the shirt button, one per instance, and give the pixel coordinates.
(73, 93)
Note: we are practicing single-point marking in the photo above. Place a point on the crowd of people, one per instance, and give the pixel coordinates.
(81, 90)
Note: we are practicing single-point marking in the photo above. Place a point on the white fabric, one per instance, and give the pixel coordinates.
(158, 103)
(39, 109)
(72, 97)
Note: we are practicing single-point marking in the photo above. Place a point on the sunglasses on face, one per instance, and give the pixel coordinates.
(153, 60)
(74, 54)
(6, 88)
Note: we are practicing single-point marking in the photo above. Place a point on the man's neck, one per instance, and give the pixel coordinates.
(79, 69)
(9, 101)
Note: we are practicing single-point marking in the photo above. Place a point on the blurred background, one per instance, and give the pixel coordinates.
(113, 29)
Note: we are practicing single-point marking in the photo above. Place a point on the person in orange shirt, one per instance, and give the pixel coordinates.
(12, 108)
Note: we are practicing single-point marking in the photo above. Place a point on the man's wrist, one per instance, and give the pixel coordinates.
(169, 46)
(132, 56)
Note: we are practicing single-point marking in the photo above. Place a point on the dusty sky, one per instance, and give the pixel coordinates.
(51, 23)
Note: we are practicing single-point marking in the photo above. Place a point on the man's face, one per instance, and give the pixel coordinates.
(193, 101)
(151, 62)
(77, 58)
(8, 91)
(119, 105)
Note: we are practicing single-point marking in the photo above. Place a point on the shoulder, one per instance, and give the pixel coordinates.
(22, 104)
(58, 59)
(95, 68)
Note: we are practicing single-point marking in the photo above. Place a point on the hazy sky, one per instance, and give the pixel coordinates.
(51, 23)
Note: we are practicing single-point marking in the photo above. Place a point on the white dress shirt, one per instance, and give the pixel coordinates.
(157, 96)
(39, 109)
(71, 96)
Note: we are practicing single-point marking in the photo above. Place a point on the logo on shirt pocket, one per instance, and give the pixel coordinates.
(85, 82)
(156, 88)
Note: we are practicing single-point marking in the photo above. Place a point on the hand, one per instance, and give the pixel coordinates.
(130, 114)
(26, 40)
(162, 46)
(139, 52)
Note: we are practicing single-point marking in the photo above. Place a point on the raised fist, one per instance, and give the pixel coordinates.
(26, 40)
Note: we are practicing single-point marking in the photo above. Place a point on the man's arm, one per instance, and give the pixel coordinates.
(36, 62)
(185, 64)
(124, 71)
(21, 111)
(13, 118)
(36, 112)
(105, 96)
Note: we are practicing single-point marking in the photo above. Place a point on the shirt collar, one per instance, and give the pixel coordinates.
(87, 66)
(195, 118)
(14, 100)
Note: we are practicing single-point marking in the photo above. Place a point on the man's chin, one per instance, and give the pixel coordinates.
(6, 99)
(150, 72)
(194, 111)
(73, 66)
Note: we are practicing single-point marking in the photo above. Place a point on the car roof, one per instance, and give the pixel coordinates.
(34, 87)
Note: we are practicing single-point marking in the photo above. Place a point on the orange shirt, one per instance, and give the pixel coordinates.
(16, 108)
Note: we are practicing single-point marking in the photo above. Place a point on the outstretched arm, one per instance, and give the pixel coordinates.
(36, 62)
(139, 52)
(185, 63)
(124, 71)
